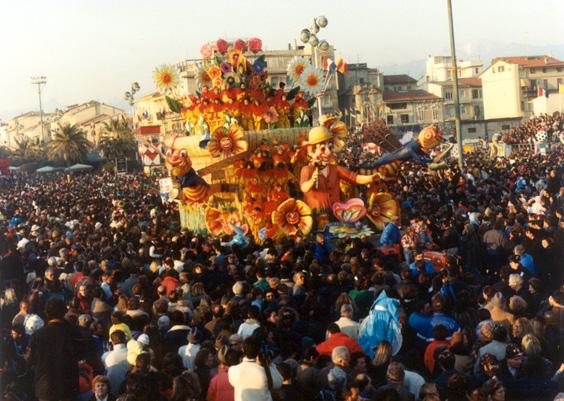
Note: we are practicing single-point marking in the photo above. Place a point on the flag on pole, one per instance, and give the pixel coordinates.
(342, 66)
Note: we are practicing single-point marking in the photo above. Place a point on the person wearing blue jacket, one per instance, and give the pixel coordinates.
(391, 235)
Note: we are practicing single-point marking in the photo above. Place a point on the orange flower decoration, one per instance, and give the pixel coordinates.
(429, 137)
(220, 222)
(381, 208)
(227, 142)
(214, 72)
(338, 128)
(293, 216)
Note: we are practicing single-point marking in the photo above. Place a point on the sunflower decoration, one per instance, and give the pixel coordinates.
(382, 207)
(296, 68)
(293, 216)
(311, 80)
(221, 222)
(338, 128)
(226, 142)
(271, 116)
(214, 72)
(165, 77)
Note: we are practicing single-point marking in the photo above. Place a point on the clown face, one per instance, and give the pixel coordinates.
(177, 159)
(321, 153)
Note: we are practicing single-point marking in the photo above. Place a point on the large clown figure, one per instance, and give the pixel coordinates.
(319, 180)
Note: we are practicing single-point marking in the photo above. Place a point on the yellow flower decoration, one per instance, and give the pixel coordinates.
(227, 142)
(165, 77)
(236, 58)
(381, 208)
(214, 72)
(338, 128)
(293, 216)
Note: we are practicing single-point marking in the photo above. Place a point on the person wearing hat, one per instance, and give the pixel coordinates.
(220, 389)
(319, 180)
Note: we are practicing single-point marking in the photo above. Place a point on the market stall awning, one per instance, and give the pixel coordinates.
(149, 130)
(79, 167)
(46, 169)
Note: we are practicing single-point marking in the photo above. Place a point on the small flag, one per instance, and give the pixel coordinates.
(542, 92)
(561, 89)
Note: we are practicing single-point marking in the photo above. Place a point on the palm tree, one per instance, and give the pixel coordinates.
(117, 139)
(68, 143)
(25, 149)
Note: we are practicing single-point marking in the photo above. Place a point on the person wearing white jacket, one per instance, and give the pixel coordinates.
(249, 378)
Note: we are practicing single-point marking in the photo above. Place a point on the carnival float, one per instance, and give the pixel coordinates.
(252, 165)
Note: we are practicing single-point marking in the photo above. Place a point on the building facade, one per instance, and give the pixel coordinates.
(360, 94)
(399, 83)
(510, 84)
(439, 69)
(89, 116)
(28, 126)
(411, 110)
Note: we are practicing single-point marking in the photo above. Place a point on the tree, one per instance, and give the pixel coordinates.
(69, 143)
(25, 149)
(117, 139)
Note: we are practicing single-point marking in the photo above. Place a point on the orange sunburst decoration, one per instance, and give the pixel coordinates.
(297, 67)
(293, 216)
(311, 80)
(226, 142)
(165, 77)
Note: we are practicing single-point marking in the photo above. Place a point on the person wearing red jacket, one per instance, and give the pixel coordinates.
(336, 339)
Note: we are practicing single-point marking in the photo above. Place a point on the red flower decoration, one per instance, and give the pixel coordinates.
(222, 46)
(239, 44)
(206, 50)
(255, 45)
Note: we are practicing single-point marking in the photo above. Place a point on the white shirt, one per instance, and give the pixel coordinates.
(250, 382)
(348, 327)
(412, 382)
(188, 354)
(247, 328)
(116, 366)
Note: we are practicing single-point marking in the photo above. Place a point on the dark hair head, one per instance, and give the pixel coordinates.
(55, 308)
(499, 333)
(333, 328)
(440, 332)
(118, 337)
(251, 347)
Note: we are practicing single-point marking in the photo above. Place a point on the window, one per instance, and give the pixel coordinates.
(476, 70)
(361, 81)
(501, 68)
(462, 93)
(533, 70)
(545, 83)
(558, 69)
(404, 118)
(471, 130)
(477, 112)
(505, 127)
(390, 119)
(448, 95)
(435, 114)
(544, 70)
(398, 106)
(475, 93)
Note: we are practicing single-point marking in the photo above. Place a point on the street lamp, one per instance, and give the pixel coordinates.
(309, 36)
(40, 80)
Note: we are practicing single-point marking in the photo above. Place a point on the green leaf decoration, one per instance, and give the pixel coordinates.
(174, 105)
(292, 94)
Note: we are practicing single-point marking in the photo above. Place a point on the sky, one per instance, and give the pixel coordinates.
(94, 50)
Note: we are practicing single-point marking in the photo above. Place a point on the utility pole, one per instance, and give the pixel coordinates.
(454, 74)
(42, 80)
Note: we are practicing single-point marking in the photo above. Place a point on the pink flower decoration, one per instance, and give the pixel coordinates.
(255, 45)
(206, 50)
(222, 46)
(239, 44)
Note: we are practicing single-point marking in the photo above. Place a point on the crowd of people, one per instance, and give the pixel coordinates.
(104, 296)
(551, 125)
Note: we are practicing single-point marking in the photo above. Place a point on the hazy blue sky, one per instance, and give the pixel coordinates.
(95, 49)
